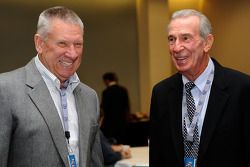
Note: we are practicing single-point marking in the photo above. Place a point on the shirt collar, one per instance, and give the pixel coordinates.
(46, 74)
(112, 83)
(200, 82)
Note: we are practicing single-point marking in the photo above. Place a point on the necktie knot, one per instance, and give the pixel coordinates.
(189, 86)
(190, 100)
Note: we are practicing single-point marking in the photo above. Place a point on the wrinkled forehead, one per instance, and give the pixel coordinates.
(60, 26)
(187, 23)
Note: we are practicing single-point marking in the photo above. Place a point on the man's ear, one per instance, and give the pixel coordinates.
(208, 43)
(38, 43)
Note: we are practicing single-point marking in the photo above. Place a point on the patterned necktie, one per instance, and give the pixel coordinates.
(190, 100)
(191, 148)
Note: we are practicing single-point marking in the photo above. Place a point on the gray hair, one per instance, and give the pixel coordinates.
(205, 25)
(59, 12)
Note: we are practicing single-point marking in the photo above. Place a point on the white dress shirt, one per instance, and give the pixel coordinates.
(53, 85)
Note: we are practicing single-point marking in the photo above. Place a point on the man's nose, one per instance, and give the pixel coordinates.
(178, 46)
(71, 51)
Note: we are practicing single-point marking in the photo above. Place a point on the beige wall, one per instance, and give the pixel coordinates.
(231, 22)
(154, 61)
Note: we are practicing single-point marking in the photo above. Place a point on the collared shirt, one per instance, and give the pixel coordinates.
(53, 85)
(200, 83)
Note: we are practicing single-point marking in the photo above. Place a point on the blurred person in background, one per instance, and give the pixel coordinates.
(116, 108)
(113, 152)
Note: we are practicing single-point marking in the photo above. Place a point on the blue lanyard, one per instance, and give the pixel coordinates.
(64, 109)
(190, 126)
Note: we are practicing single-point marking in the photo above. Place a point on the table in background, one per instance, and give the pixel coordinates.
(140, 158)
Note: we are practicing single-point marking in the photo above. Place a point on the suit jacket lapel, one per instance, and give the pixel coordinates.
(41, 98)
(175, 108)
(217, 101)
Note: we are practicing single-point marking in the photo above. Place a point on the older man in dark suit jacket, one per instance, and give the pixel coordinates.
(221, 130)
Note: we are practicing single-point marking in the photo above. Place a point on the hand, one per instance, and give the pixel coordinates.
(117, 148)
(126, 153)
(123, 149)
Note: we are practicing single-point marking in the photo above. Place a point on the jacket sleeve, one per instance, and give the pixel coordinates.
(6, 125)
(110, 157)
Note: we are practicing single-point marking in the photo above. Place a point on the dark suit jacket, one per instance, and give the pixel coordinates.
(31, 132)
(225, 137)
(115, 105)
